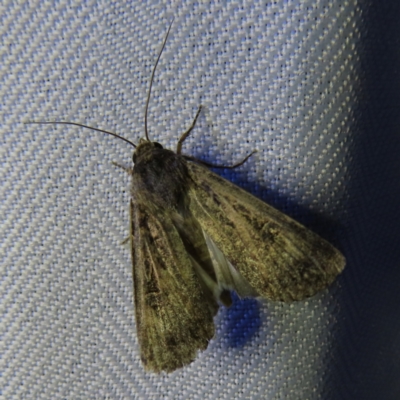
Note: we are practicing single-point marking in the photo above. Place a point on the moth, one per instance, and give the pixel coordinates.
(195, 237)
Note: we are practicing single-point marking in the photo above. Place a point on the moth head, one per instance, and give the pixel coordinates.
(145, 149)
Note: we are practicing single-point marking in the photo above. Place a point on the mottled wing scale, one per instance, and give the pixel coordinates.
(172, 316)
(280, 259)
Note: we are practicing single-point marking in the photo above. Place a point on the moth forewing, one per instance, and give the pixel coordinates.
(172, 318)
(278, 257)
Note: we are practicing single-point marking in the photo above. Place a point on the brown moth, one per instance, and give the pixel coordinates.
(195, 237)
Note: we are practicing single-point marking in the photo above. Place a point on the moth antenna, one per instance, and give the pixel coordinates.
(112, 133)
(151, 82)
(82, 126)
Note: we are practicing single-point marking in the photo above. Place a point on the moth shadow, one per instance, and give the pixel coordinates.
(243, 320)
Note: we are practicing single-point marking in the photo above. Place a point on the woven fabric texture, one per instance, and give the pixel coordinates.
(312, 85)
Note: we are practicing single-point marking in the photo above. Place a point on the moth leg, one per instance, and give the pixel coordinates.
(125, 241)
(129, 171)
(220, 166)
(186, 134)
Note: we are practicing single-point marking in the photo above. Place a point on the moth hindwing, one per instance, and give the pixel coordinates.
(195, 237)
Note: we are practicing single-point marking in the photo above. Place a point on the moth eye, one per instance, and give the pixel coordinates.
(134, 158)
(158, 145)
